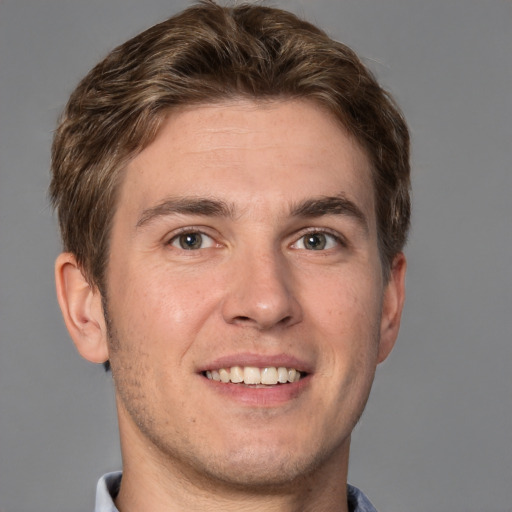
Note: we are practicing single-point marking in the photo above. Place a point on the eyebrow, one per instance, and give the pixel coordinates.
(309, 208)
(330, 205)
(185, 206)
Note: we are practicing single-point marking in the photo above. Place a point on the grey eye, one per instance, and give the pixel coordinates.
(315, 241)
(192, 241)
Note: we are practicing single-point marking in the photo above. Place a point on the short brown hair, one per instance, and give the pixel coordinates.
(211, 53)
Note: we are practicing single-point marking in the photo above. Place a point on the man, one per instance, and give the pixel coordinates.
(233, 195)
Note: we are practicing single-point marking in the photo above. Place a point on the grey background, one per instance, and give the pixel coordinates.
(437, 433)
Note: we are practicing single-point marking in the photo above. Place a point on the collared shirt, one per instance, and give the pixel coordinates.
(108, 487)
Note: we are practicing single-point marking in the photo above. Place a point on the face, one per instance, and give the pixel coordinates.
(247, 309)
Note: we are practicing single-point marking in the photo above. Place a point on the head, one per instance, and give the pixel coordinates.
(232, 187)
(208, 54)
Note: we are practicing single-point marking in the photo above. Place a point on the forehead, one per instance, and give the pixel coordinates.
(241, 151)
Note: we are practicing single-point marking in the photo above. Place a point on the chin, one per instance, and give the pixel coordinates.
(268, 468)
(262, 474)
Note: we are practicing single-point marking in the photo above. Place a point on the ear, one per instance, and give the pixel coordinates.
(392, 306)
(82, 309)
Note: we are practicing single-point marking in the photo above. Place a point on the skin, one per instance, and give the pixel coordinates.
(252, 290)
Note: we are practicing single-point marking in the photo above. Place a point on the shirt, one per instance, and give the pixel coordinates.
(108, 487)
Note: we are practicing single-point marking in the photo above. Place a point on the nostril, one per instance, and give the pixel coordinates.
(286, 320)
(242, 319)
(247, 320)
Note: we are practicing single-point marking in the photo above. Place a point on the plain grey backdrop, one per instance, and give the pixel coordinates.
(437, 432)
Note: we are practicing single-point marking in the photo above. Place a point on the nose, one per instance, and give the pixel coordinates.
(260, 293)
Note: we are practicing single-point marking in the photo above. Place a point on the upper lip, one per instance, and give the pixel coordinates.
(258, 361)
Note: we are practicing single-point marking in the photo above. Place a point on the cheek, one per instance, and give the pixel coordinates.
(348, 319)
(348, 304)
(156, 297)
(161, 313)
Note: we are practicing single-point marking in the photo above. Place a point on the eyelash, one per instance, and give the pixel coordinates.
(190, 230)
(338, 239)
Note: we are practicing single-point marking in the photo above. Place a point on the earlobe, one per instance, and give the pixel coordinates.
(392, 306)
(82, 309)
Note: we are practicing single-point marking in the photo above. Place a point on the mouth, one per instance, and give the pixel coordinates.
(255, 376)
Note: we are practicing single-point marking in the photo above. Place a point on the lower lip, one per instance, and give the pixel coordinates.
(258, 396)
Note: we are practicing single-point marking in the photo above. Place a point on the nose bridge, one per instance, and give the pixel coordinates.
(261, 293)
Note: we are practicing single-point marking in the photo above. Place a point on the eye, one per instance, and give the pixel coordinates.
(191, 241)
(317, 241)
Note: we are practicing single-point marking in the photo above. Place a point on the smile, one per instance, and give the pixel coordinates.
(253, 375)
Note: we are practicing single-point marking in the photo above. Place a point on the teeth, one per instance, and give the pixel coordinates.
(224, 375)
(252, 375)
(293, 375)
(269, 376)
(282, 375)
(236, 374)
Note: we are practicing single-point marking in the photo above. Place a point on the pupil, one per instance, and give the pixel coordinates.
(190, 241)
(315, 242)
